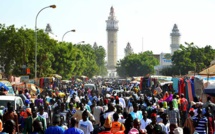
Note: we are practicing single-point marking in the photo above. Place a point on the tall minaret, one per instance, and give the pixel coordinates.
(175, 39)
(112, 28)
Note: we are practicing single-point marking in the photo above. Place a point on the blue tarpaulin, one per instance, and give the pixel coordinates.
(2, 85)
(210, 90)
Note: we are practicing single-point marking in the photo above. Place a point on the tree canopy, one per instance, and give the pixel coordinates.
(190, 58)
(137, 64)
(18, 53)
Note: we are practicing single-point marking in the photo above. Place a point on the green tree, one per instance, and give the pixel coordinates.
(18, 49)
(100, 59)
(137, 64)
(192, 58)
(45, 56)
(69, 60)
(91, 68)
(170, 70)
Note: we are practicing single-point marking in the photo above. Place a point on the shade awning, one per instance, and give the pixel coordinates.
(209, 71)
(56, 76)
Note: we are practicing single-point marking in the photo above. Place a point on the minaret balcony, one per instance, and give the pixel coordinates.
(112, 29)
(175, 34)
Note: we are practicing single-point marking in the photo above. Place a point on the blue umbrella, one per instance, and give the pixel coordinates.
(2, 85)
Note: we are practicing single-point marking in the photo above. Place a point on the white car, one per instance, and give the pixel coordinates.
(90, 86)
(16, 102)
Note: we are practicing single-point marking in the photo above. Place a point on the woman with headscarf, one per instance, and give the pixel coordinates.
(166, 95)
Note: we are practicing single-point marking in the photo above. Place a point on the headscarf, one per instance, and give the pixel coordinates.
(168, 99)
(165, 104)
(166, 95)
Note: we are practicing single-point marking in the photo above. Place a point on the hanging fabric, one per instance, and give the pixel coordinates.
(192, 86)
(175, 84)
(181, 86)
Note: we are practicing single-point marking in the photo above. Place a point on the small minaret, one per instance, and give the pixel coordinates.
(95, 46)
(48, 29)
(175, 39)
(112, 28)
(128, 49)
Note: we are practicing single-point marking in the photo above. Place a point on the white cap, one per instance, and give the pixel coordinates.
(178, 130)
(108, 95)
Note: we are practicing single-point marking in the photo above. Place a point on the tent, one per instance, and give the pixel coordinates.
(209, 71)
(210, 89)
(56, 76)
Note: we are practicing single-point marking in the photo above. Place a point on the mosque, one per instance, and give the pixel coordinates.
(112, 29)
(112, 43)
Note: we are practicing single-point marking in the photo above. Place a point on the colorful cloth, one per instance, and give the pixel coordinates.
(192, 87)
(181, 86)
(175, 84)
(168, 99)
(183, 104)
(190, 95)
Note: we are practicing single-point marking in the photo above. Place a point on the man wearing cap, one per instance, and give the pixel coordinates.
(27, 102)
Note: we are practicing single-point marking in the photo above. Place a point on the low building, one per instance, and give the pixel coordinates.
(165, 58)
(164, 61)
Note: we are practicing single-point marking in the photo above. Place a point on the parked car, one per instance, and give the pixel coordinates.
(90, 86)
(15, 101)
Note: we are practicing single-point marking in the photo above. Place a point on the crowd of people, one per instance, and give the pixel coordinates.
(91, 111)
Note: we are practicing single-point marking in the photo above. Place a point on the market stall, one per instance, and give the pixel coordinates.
(32, 88)
(50, 82)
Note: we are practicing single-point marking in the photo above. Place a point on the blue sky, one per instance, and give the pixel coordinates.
(151, 20)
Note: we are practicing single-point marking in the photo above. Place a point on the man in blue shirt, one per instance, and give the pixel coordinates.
(73, 129)
(55, 129)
